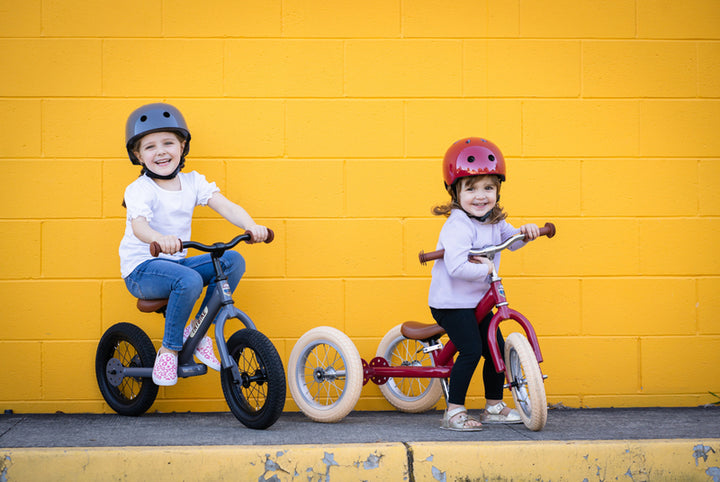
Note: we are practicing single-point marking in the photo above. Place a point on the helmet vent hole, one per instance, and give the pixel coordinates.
(143, 118)
(471, 159)
(166, 114)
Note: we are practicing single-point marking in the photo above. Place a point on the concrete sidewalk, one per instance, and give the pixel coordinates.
(588, 444)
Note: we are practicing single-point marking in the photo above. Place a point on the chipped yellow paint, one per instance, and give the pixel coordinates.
(572, 461)
(299, 462)
(422, 461)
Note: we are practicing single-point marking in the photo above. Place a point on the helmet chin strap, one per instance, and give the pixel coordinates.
(172, 175)
(484, 217)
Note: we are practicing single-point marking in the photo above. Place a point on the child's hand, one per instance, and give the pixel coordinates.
(531, 231)
(482, 260)
(169, 244)
(258, 233)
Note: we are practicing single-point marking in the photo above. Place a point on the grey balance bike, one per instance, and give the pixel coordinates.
(252, 374)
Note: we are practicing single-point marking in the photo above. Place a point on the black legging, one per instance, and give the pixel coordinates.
(471, 342)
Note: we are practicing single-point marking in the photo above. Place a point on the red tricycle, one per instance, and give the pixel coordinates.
(412, 366)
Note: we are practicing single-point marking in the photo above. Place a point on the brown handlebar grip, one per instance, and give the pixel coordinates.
(269, 239)
(548, 230)
(155, 249)
(431, 256)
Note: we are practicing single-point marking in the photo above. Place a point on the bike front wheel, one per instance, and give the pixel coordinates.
(413, 395)
(527, 386)
(325, 374)
(258, 398)
(124, 345)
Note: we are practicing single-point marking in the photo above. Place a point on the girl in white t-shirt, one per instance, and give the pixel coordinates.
(160, 204)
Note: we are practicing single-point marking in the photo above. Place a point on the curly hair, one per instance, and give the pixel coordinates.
(496, 215)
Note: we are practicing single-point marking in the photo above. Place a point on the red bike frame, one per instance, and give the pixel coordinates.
(378, 370)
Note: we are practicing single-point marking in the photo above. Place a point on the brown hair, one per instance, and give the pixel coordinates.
(496, 215)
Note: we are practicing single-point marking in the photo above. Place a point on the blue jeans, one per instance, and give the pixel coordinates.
(181, 281)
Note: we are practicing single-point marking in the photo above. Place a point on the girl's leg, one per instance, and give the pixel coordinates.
(233, 265)
(161, 278)
(461, 327)
(494, 381)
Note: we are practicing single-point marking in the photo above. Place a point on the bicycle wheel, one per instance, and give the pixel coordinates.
(528, 389)
(325, 374)
(259, 398)
(125, 345)
(412, 395)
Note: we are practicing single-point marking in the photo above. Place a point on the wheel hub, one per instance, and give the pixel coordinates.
(115, 372)
(320, 374)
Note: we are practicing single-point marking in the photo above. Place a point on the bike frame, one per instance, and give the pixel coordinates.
(443, 358)
(219, 309)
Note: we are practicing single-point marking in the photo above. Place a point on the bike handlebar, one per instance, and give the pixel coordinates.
(547, 230)
(155, 249)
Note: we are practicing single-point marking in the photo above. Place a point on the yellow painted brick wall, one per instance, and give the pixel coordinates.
(327, 121)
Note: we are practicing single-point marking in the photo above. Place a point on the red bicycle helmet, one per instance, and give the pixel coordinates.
(472, 156)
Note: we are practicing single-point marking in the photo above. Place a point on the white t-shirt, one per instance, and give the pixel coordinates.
(167, 212)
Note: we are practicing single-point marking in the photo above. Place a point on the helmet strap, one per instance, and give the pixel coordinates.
(482, 218)
(172, 175)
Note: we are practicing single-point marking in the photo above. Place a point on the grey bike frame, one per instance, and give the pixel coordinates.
(219, 309)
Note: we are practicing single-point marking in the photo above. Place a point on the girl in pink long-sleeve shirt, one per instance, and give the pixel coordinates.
(473, 170)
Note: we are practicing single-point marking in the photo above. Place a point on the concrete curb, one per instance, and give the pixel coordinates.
(416, 461)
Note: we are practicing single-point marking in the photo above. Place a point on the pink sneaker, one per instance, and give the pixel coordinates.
(204, 351)
(165, 370)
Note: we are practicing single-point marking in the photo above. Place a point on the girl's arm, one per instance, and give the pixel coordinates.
(237, 216)
(456, 238)
(168, 243)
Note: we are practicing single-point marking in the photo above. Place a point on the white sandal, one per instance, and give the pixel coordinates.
(459, 423)
(493, 414)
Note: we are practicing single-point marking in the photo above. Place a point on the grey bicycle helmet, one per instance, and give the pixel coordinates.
(151, 118)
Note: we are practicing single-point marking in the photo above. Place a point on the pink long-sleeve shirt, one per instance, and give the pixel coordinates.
(456, 282)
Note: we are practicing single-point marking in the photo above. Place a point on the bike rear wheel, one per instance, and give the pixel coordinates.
(527, 386)
(325, 374)
(412, 395)
(258, 399)
(125, 345)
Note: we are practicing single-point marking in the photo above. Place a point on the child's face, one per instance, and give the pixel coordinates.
(160, 152)
(478, 196)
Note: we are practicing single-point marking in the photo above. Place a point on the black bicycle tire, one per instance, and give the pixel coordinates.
(262, 417)
(106, 350)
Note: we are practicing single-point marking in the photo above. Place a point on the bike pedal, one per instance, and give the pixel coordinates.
(431, 348)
